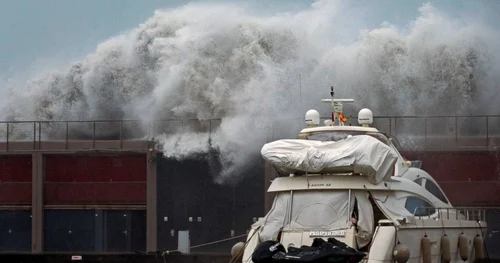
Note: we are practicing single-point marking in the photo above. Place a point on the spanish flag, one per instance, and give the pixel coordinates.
(342, 118)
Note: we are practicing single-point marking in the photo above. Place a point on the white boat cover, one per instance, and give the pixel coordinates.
(310, 210)
(360, 154)
(319, 210)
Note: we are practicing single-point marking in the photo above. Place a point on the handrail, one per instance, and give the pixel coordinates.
(486, 135)
(468, 212)
(109, 121)
(453, 132)
(423, 116)
(219, 119)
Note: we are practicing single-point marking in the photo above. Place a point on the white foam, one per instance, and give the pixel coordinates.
(207, 61)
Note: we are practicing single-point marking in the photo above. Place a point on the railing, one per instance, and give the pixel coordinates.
(455, 213)
(466, 132)
(412, 132)
(441, 132)
(96, 134)
(19, 134)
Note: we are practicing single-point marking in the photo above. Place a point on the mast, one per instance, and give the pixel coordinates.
(337, 107)
(332, 93)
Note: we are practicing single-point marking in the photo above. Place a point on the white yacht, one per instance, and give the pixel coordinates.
(351, 183)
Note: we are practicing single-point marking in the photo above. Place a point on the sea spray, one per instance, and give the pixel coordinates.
(219, 61)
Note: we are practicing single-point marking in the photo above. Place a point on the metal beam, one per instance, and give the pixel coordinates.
(151, 208)
(37, 202)
(96, 207)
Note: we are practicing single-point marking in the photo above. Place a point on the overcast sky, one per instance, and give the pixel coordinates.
(33, 31)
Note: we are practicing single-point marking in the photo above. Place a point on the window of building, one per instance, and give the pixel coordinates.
(424, 208)
(434, 190)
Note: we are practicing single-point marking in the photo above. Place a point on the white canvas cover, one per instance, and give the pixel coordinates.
(365, 218)
(276, 218)
(310, 210)
(361, 154)
(319, 210)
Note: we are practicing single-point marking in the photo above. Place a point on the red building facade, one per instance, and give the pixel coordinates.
(119, 195)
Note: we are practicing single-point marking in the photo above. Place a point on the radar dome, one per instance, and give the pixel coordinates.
(312, 118)
(365, 117)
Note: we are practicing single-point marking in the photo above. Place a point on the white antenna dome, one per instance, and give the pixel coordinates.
(365, 117)
(312, 118)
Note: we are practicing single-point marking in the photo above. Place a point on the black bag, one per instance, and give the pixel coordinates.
(265, 251)
(320, 251)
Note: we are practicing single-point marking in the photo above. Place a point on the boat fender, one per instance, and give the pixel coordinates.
(401, 253)
(445, 249)
(236, 251)
(478, 248)
(462, 246)
(426, 250)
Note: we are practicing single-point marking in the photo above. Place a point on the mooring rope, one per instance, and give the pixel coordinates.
(166, 252)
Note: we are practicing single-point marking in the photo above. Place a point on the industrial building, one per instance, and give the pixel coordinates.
(109, 190)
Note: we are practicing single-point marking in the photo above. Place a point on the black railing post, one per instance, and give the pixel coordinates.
(395, 127)
(121, 135)
(425, 132)
(154, 130)
(67, 135)
(7, 135)
(39, 135)
(487, 132)
(93, 135)
(390, 127)
(34, 136)
(149, 130)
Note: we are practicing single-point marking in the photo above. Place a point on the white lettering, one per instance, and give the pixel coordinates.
(337, 233)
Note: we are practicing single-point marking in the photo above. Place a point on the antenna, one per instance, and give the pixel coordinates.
(332, 93)
(300, 91)
(337, 106)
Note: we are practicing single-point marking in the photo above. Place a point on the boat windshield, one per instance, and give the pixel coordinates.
(340, 135)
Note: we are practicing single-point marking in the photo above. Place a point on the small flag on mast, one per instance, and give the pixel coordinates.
(342, 117)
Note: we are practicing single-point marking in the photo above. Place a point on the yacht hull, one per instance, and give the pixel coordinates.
(387, 236)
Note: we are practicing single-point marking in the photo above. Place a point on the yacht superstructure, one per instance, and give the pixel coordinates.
(351, 183)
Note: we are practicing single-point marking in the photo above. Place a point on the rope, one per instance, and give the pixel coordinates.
(205, 244)
(233, 259)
